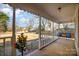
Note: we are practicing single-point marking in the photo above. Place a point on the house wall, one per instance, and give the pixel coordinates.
(77, 30)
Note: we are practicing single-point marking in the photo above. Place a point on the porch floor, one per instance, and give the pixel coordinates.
(60, 47)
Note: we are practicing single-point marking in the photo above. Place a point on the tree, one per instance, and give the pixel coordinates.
(18, 28)
(65, 26)
(31, 23)
(21, 43)
(45, 22)
(3, 20)
(29, 28)
(49, 24)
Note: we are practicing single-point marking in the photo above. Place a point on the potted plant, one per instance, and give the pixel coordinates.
(21, 43)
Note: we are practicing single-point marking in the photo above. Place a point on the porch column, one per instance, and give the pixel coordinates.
(59, 26)
(39, 32)
(53, 30)
(13, 34)
(77, 30)
(58, 29)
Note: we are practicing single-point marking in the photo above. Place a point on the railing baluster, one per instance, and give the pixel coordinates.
(4, 45)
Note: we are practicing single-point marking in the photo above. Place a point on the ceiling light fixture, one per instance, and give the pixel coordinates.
(59, 9)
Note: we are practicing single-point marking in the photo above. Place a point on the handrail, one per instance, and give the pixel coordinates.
(6, 37)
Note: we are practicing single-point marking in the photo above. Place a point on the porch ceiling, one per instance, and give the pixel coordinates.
(50, 10)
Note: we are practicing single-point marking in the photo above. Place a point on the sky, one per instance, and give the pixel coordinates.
(23, 18)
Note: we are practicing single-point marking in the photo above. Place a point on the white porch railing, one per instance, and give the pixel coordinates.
(3, 45)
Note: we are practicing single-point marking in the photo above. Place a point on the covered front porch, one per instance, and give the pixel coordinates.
(55, 21)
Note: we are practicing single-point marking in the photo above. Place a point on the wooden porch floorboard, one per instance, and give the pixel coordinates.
(60, 47)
